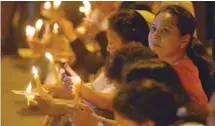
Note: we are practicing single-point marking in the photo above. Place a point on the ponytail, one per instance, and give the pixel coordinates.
(198, 54)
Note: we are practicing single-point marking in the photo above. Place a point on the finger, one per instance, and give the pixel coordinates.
(51, 120)
(66, 79)
(69, 70)
(69, 82)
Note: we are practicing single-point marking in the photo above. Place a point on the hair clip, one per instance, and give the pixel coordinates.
(181, 112)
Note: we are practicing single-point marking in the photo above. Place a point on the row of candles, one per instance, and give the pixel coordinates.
(31, 31)
(30, 97)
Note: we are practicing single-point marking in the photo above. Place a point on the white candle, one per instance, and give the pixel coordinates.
(51, 59)
(77, 88)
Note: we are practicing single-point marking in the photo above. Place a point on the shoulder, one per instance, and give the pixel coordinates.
(186, 66)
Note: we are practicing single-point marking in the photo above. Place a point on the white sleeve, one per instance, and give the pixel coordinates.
(101, 83)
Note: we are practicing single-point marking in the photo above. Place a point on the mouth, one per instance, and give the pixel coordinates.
(156, 45)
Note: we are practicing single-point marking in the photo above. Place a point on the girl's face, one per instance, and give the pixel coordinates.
(114, 41)
(165, 38)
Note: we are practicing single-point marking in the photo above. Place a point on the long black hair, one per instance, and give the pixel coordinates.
(186, 24)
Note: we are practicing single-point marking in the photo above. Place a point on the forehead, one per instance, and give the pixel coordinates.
(165, 18)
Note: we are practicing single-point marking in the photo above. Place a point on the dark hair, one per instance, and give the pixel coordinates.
(126, 55)
(141, 102)
(130, 26)
(159, 71)
(186, 24)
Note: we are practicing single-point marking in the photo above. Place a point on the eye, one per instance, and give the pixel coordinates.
(153, 29)
(164, 31)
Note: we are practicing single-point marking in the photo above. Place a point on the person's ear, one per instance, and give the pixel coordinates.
(148, 123)
(185, 40)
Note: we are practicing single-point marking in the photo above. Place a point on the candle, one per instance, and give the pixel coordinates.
(55, 28)
(37, 78)
(77, 88)
(30, 32)
(47, 5)
(51, 59)
(57, 4)
(30, 98)
(39, 25)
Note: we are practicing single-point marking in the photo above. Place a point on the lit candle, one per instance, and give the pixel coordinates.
(30, 32)
(81, 30)
(39, 25)
(86, 9)
(37, 78)
(57, 4)
(29, 96)
(51, 59)
(55, 28)
(77, 88)
(81, 9)
(47, 5)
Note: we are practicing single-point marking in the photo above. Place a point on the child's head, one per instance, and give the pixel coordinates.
(146, 102)
(127, 55)
(126, 26)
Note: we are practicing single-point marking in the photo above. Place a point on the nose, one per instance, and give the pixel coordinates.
(155, 35)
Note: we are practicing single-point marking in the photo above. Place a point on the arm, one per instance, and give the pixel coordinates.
(101, 100)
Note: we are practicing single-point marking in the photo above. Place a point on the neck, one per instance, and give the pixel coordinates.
(174, 58)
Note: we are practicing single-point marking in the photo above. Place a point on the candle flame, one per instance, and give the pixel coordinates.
(34, 70)
(57, 3)
(28, 90)
(39, 24)
(55, 27)
(76, 79)
(47, 5)
(30, 31)
(81, 30)
(49, 55)
(81, 9)
(86, 9)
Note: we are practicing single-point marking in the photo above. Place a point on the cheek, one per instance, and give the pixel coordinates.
(150, 41)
